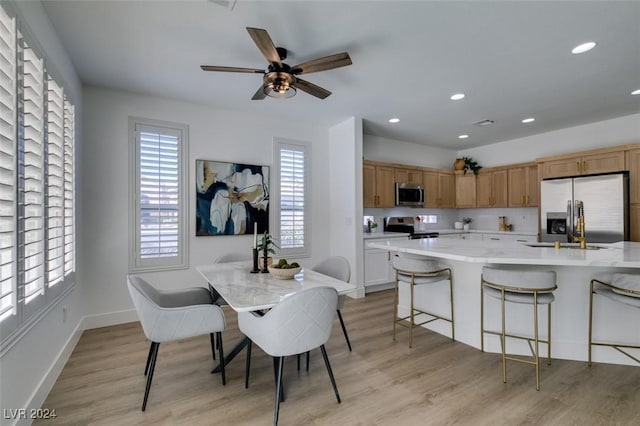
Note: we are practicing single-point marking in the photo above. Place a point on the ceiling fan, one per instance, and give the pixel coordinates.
(281, 80)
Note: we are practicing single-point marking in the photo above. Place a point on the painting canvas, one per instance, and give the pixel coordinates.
(231, 197)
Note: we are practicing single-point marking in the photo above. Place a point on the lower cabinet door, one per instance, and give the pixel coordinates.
(377, 267)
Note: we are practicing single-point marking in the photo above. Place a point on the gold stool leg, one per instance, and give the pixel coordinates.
(549, 335)
(504, 342)
(590, 319)
(395, 308)
(411, 322)
(535, 333)
(453, 330)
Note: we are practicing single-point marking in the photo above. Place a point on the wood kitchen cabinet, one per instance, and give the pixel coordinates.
(634, 231)
(465, 190)
(377, 185)
(633, 165)
(585, 164)
(523, 185)
(408, 176)
(439, 189)
(491, 188)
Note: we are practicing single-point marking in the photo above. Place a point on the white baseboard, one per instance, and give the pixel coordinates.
(46, 384)
(86, 323)
(111, 318)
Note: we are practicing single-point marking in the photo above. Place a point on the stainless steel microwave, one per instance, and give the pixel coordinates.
(409, 194)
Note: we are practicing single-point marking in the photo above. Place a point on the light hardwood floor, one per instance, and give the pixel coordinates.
(381, 382)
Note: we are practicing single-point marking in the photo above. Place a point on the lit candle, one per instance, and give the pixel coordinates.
(255, 235)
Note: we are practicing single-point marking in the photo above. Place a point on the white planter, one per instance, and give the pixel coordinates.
(466, 226)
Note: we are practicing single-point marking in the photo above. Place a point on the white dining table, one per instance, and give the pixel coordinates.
(256, 292)
(245, 291)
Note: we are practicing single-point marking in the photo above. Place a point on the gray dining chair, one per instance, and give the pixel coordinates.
(299, 323)
(169, 315)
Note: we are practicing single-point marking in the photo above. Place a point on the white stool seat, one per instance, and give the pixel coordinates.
(522, 286)
(414, 270)
(620, 288)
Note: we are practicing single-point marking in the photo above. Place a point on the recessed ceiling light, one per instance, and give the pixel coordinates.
(636, 92)
(394, 120)
(463, 136)
(457, 96)
(584, 47)
(529, 120)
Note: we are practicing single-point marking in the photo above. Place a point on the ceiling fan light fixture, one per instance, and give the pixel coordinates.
(279, 85)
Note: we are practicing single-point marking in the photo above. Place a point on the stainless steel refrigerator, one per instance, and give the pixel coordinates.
(606, 208)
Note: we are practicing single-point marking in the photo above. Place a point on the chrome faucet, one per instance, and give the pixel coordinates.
(580, 230)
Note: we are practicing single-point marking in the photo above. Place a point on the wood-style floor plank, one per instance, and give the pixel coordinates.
(381, 382)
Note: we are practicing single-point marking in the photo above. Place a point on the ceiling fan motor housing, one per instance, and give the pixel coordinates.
(280, 84)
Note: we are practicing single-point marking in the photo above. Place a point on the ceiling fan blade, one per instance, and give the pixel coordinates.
(231, 69)
(265, 45)
(312, 89)
(259, 95)
(322, 64)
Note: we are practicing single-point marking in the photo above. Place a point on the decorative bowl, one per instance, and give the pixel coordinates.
(283, 274)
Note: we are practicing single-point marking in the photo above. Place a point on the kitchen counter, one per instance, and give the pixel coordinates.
(623, 254)
(570, 311)
(382, 235)
(484, 231)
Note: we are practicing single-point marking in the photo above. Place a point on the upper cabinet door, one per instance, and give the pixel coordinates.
(409, 176)
(368, 185)
(602, 163)
(430, 182)
(446, 190)
(561, 168)
(465, 190)
(385, 189)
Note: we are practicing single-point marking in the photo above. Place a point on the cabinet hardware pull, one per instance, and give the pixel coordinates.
(527, 199)
(521, 241)
(496, 239)
(578, 165)
(584, 165)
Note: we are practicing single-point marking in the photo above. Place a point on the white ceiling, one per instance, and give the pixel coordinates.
(511, 59)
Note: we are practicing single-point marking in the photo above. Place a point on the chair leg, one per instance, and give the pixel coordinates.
(279, 369)
(146, 368)
(247, 365)
(590, 319)
(308, 356)
(344, 329)
(411, 314)
(221, 353)
(275, 375)
(504, 341)
(298, 361)
(395, 308)
(535, 336)
(213, 346)
(152, 366)
(549, 334)
(328, 365)
(481, 316)
(453, 330)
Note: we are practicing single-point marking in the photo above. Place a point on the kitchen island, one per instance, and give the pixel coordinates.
(570, 311)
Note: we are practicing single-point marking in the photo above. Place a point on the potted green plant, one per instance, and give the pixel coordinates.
(471, 165)
(465, 223)
(266, 245)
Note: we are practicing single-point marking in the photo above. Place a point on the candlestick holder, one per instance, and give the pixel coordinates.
(255, 269)
(264, 269)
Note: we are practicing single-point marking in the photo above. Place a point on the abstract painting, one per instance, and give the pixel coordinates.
(231, 197)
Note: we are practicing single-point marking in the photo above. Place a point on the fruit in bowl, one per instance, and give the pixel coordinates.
(284, 270)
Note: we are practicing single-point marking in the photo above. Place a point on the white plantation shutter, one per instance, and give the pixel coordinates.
(8, 147)
(69, 184)
(160, 221)
(292, 160)
(32, 168)
(37, 199)
(55, 183)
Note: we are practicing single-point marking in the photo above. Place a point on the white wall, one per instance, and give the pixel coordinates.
(617, 131)
(214, 135)
(29, 367)
(343, 177)
(393, 151)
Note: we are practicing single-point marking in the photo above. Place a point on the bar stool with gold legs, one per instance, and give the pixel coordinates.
(415, 270)
(530, 287)
(621, 288)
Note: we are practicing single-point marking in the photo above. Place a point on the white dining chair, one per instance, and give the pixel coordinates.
(171, 315)
(337, 267)
(299, 323)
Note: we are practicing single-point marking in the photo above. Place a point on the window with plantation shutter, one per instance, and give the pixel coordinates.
(159, 220)
(292, 167)
(37, 199)
(8, 102)
(68, 186)
(31, 177)
(55, 183)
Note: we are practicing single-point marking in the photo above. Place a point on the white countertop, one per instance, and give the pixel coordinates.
(622, 254)
(483, 231)
(378, 235)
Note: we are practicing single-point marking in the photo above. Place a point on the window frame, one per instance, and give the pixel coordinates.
(278, 145)
(181, 131)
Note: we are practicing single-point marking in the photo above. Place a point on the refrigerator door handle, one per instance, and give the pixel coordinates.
(570, 230)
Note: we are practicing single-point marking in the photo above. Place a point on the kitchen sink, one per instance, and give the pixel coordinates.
(573, 246)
